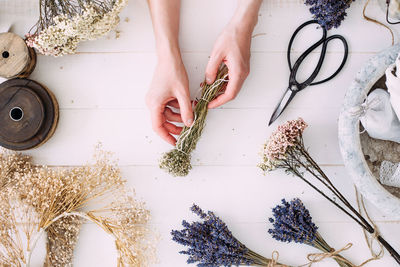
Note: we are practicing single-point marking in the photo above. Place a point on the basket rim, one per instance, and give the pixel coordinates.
(349, 133)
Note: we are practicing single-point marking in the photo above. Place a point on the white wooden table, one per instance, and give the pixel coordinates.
(101, 95)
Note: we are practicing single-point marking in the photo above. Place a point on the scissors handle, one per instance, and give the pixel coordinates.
(324, 41)
(345, 55)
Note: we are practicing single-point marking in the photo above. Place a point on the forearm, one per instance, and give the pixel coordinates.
(246, 14)
(165, 16)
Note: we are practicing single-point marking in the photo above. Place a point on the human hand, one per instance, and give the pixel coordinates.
(233, 48)
(169, 88)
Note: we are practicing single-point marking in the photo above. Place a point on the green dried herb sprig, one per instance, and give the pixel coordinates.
(177, 161)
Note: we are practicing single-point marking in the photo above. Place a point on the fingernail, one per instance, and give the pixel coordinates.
(208, 80)
(189, 122)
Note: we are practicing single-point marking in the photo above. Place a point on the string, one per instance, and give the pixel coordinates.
(274, 259)
(376, 21)
(370, 241)
(361, 110)
(186, 133)
(318, 257)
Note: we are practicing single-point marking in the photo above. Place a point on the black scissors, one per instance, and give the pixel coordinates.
(294, 86)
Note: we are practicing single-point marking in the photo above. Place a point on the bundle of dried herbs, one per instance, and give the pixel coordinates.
(285, 150)
(62, 25)
(329, 13)
(40, 199)
(292, 222)
(209, 242)
(177, 161)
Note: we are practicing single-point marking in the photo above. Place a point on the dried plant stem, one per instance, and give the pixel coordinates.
(300, 157)
(177, 161)
(39, 234)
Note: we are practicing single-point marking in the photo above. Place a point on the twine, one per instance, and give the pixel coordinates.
(376, 21)
(361, 110)
(374, 238)
(274, 259)
(183, 136)
(215, 84)
(318, 257)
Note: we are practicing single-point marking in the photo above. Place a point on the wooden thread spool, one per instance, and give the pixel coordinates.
(16, 58)
(28, 114)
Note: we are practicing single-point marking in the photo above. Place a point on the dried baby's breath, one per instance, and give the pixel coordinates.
(64, 24)
(55, 200)
(62, 237)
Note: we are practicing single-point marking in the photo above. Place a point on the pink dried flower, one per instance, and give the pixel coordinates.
(287, 135)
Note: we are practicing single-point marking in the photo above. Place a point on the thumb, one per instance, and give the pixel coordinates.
(212, 68)
(185, 106)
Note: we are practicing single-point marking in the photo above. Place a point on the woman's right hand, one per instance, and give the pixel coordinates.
(169, 88)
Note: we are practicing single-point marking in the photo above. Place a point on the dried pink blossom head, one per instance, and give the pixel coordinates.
(286, 136)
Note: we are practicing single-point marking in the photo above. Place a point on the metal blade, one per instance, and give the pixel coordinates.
(283, 103)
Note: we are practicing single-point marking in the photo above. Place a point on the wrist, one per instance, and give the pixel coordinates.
(168, 51)
(246, 15)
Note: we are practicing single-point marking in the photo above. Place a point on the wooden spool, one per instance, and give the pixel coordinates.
(28, 114)
(16, 58)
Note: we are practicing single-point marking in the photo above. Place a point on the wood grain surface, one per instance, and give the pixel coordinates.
(101, 95)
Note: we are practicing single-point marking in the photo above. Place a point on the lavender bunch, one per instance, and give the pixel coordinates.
(211, 243)
(292, 222)
(329, 13)
(286, 150)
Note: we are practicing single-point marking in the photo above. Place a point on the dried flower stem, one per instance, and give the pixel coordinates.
(177, 161)
(285, 150)
(62, 25)
(41, 197)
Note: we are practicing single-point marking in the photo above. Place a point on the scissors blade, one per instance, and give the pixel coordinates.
(283, 103)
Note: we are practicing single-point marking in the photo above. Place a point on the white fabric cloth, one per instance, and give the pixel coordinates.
(389, 174)
(379, 118)
(393, 85)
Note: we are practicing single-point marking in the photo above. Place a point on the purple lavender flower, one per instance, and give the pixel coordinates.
(329, 13)
(292, 222)
(210, 243)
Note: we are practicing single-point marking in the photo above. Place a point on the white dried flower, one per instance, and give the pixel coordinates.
(65, 33)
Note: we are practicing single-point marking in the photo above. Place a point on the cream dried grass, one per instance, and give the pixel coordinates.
(41, 196)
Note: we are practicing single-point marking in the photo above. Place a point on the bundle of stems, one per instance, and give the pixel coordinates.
(177, 161)
(292, 222)
(209, 242)
(63, 24)
(286, 150)
(49, 9)
(42, 198)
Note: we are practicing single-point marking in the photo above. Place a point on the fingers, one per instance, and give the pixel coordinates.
(158, 126)
(172, 128)
(172, 116)
(212, 67)
(237, 76)
(185, 106)
(173, 103)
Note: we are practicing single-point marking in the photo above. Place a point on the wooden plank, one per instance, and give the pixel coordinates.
(238, 194)
(121, 80)
(231, 137)
(136, 31)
